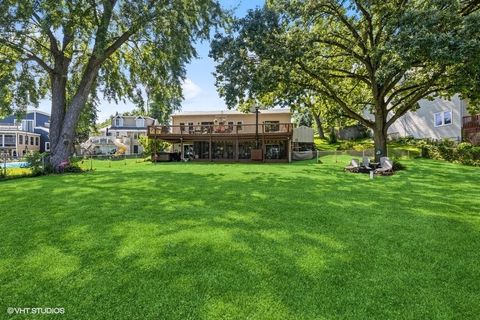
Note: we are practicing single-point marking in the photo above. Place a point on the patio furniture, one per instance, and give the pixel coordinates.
(385, 169)
(366, 163)
(354, 166)
(382, 160)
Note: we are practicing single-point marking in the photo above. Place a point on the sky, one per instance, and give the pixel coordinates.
(199, 87)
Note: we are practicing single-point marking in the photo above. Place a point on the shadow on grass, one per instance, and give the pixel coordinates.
(232, 241)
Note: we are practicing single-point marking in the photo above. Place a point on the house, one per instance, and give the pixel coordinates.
(29, 133)
(120, 137)
(437, 119)
(229, 135)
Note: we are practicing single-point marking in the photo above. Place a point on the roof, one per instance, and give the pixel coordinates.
(125, 128)
(226, 112)
(133, 117)
(38, 111)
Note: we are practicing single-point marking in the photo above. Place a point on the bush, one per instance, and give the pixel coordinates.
(463, 153)
(397, 166)
(332, 137)
(35, 162)
(151, 145)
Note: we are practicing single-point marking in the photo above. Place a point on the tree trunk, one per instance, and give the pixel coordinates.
(64, 142)
(318, 121)
(380, 136)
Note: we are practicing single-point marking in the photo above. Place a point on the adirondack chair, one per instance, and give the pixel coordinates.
(366, 162)
(354, 166)
(385, 169)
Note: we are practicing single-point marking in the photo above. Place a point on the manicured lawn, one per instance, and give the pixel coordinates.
(238, 241)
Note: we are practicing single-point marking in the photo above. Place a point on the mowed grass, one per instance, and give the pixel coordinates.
(243, 241)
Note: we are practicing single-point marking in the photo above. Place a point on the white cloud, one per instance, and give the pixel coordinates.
(190, 89)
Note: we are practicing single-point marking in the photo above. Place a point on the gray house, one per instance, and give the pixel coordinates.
(121, 137)
(35, 123)
(437, 119)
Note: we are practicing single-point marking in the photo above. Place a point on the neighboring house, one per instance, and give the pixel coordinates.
(30, 133)
(229, 135)
(121, 137)
(437, 119)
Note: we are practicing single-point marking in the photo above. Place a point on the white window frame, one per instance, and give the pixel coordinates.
(140, 124)
(120, 122)
(47, 146)
(442, 117)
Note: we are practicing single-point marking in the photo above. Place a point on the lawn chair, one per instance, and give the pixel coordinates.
(366, 163)
(382, 160)
(386, 169)
(354, 166)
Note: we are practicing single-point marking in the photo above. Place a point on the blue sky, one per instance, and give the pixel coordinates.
(199, 88)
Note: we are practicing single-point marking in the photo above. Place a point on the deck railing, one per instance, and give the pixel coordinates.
(220, 129)
(471, 122)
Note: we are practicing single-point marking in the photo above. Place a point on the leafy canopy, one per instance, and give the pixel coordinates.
(139, 47)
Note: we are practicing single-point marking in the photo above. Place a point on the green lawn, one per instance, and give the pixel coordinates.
(243, 241)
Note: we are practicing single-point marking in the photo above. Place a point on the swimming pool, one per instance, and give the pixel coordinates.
(15, 164)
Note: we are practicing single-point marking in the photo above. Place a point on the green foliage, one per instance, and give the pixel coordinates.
(463, 153)
(398, 166)
(359, 57)
(332, 136)
(36, 163)
(152, 145)
(74, 50)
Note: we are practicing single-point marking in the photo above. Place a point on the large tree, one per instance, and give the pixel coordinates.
(69, 50)
(373, 59)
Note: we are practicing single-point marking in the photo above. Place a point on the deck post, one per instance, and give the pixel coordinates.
(181, 150)
(289, 148)
(236, 148)
(210, 148)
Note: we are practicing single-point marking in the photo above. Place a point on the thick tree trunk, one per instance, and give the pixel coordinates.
(318, 122)
(64, 142)
(380, 136)
(59, 97)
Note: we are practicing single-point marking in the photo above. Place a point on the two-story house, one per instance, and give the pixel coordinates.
(120, 137)
(29, 133)
(439, 119)
(229, 135)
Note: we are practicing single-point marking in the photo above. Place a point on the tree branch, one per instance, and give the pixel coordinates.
(28, 54)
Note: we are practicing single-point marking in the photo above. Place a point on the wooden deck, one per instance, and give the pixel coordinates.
(471, 129)
(218, 132)
(235, 134)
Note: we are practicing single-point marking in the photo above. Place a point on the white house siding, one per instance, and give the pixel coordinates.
(421, 122)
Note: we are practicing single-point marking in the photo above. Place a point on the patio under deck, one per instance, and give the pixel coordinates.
(229, 142)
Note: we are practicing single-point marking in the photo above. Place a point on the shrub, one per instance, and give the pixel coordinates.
(463, 153)
(397, 166)
(35, 162)
(332, 137)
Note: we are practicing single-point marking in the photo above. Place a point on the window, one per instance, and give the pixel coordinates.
(191, 130)
(118, 122)
(37, 141)
(47, 146)
(230, 126)
(20, 139)
(239, 125)
(140, 122)
(27, 125)
(272, 126)
(182, 127)
(443, 118)
(117, 134)
(31, 141)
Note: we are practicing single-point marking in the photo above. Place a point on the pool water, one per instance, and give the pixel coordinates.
(15, 165)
